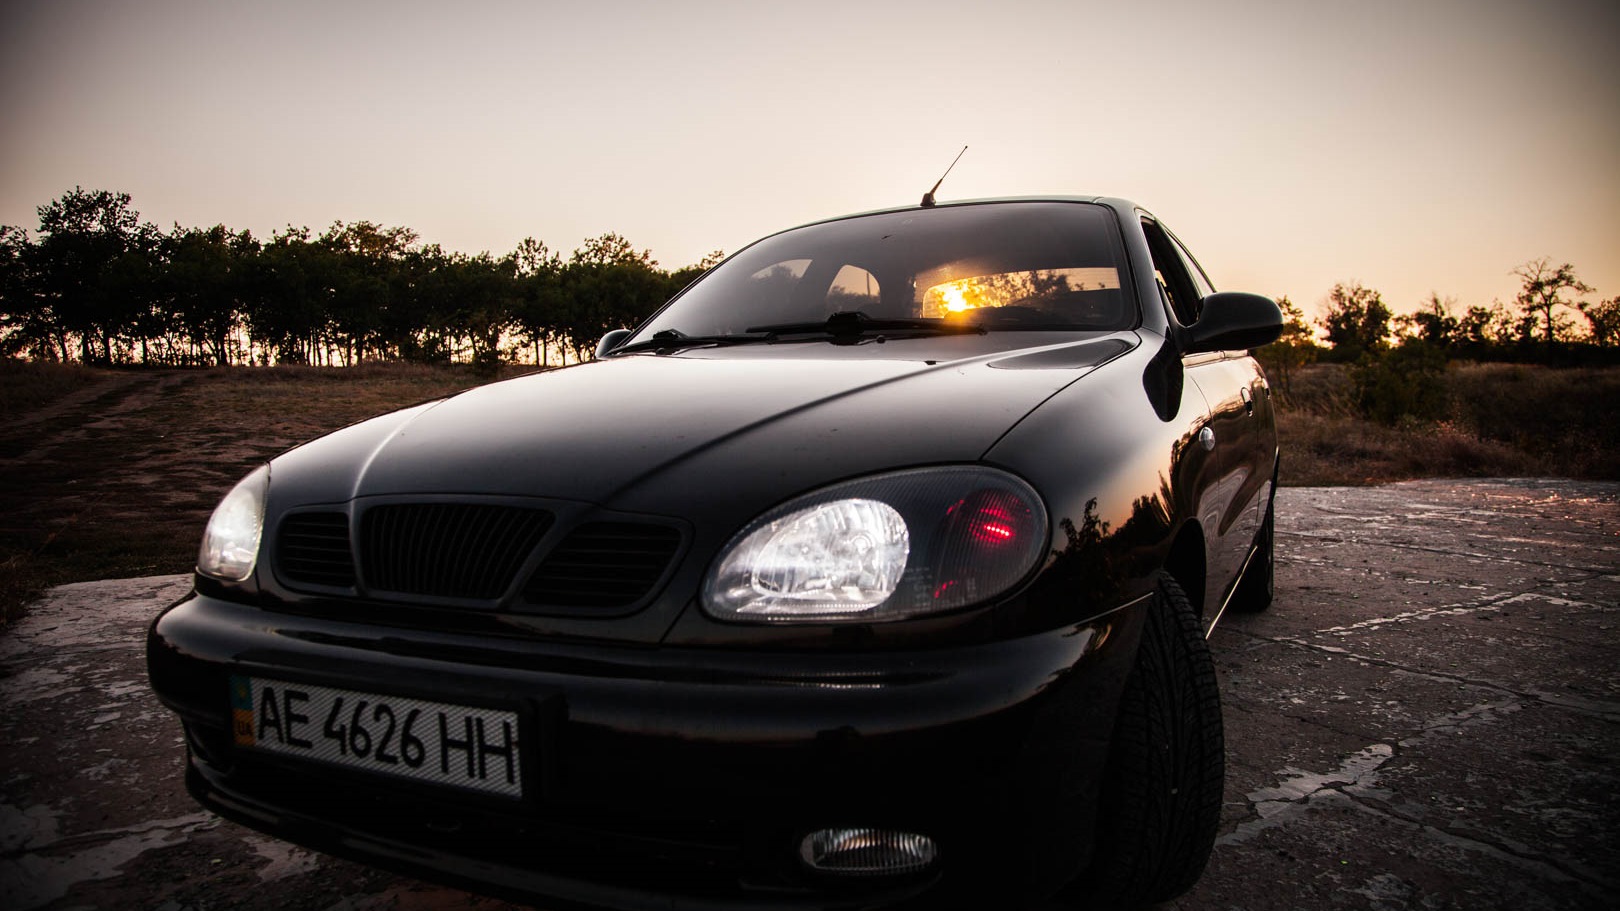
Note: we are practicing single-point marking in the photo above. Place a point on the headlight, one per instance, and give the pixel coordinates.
(230, 544)
(882, 548)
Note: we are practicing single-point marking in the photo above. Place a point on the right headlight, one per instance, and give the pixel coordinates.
(230, 545)
(886, 547)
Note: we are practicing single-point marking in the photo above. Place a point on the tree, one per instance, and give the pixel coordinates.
(1483, 327)
(82, 235)
(207, 285)
(289, 297)
(533, 257)
(611, 249)
(134, 290)
(27, 326)
(1544, 295)
(607, 285)
(1604, 317)
(1402, 385)
(538, 306)
(367, 284)
(1357, 322)
(475, 297)
(1433, 325)
(680, 278)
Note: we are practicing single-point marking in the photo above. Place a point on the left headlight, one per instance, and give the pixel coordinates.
(887, 547)
(230, 544)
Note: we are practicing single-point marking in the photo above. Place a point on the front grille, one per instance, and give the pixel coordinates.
(447, 550)
(472, 552)
(313, 548)
(604, 565)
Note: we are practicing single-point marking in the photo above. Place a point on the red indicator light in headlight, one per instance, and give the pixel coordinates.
(986, 541)
(989, 517)
(993, 526)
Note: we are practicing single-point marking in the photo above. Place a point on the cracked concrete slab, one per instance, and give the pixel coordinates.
(1427, 718)
(93, 809)
(1429, 715)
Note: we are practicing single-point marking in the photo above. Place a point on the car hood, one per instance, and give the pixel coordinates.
(632, 432)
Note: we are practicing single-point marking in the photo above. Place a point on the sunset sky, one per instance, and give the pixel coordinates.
(1411, 145)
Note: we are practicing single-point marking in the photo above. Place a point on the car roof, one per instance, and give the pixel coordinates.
(1120, 205)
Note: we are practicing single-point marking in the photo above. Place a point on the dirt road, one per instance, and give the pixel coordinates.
(1428, 718)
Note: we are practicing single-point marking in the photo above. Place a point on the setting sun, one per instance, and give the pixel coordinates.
(952, 298)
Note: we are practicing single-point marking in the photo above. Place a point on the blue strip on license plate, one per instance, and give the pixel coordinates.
(436, 742)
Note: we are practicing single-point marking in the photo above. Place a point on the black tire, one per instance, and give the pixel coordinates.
(1160, 799)
(1255, 590)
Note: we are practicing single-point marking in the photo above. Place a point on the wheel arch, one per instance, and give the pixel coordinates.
(1185, 562)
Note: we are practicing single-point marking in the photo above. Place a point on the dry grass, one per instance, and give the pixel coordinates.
(26, 386)
(1564, 418)
(1334, 450)
(1502, 420)
(112, 473)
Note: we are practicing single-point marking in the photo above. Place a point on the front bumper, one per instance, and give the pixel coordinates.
(680, 778)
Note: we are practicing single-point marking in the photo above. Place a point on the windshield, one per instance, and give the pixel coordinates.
(1015, 265)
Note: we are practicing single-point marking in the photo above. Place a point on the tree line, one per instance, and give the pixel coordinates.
(1396, 363)
(97, 285)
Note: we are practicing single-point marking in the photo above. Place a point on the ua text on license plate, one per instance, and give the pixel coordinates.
(436, 742)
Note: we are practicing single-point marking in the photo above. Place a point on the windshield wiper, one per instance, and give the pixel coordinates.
(853, 324)
(668, 339)
(843, 326)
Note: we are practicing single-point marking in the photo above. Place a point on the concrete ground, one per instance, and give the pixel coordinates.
(1427, 718)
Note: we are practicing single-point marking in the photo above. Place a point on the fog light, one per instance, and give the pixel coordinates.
(867, 852)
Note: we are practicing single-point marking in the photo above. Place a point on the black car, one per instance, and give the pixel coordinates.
(873, 569)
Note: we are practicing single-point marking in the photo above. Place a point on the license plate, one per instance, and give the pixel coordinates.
(456, 745)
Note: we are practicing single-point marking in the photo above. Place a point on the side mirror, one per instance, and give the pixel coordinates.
(611, 341)
(1234, 321)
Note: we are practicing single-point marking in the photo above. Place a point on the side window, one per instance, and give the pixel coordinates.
(854, 288)
(778, 279)
(1179, 290)
(1194, 271)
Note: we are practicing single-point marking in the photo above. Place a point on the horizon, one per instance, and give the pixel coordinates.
(1413, 148)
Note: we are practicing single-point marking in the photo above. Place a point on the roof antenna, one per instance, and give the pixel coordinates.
(928, 198)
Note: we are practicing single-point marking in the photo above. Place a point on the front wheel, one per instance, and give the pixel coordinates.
(1160, 798)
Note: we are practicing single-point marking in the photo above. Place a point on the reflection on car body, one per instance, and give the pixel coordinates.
(874, 569)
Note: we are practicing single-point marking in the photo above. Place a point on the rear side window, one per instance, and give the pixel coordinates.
(855, 288)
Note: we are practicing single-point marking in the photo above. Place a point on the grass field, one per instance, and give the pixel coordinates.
(112, 473)
(1501, 420)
